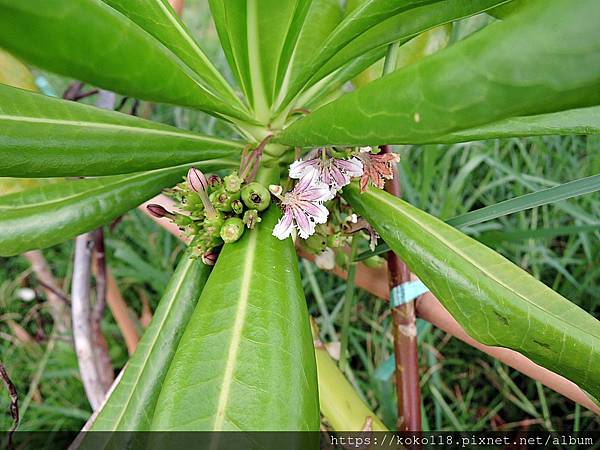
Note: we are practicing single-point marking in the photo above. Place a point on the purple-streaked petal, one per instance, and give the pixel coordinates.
(305, 226)
(317, 211)
(319, 193)
(353, 166)
(300, 168)
(339, 179)
(285, 225)
(307, 180)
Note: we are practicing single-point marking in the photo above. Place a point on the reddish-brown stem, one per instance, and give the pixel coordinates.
(405, 335)
(14, 404)
(251, 161)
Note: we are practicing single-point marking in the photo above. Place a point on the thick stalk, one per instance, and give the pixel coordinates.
(405, 335)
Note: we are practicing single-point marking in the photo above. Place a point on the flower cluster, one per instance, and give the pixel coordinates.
(217, 211)
(321, 175)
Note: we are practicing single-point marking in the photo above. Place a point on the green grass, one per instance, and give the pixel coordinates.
(462, 388)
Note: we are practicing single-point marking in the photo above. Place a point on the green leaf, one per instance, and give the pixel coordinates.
(322, 18)
(259, 37)
(158, 18)
(404, 26)
(367, 15)
(53, 213)
(131, 404)
(521, 66)
(572, 121)
(47, 137)
(246, 360)
(507, 9)
(90, 41)
(496, 302)
(547, 196)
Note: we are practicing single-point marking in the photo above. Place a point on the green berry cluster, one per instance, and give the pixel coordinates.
(216, 210)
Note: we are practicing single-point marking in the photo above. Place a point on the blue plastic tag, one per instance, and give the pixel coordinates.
(407, 292)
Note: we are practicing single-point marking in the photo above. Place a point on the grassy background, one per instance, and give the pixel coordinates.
(462, 388)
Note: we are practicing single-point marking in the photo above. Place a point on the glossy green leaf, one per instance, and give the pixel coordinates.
(259, 37)
(495, 301)
(46, 137)
(507, 9)
(521, 66)
(158, 18)
(365, 16)
(131, 404)
(571, 121)
(90, 41)
(322, 18)
(53, 213)
(246, 360)
(331, 86)
(524, 202)
(404, 26)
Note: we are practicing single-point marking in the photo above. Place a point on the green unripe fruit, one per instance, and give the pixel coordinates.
(237, 206)
(316, 243)
(233, 182)
(374, 262)
(232, 230)
(214, 183)
(256, 196)
(222, 199)
(251, 218)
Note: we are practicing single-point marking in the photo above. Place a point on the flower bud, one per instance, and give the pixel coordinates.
(256, 196)
(276, 190)
(326, 259)
(214, 182)
(237, 206)
(232, 230)
(233, 182)
(251, 218)
(159, 211)
(210, 258)
(196, 180)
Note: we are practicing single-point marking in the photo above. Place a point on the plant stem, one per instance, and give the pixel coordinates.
(348, 301)
(405, 336)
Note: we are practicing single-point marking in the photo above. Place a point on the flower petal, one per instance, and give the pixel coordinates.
(318, 212)
(285, 225)
(353, 166)
(300, 168)
(305, 226)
